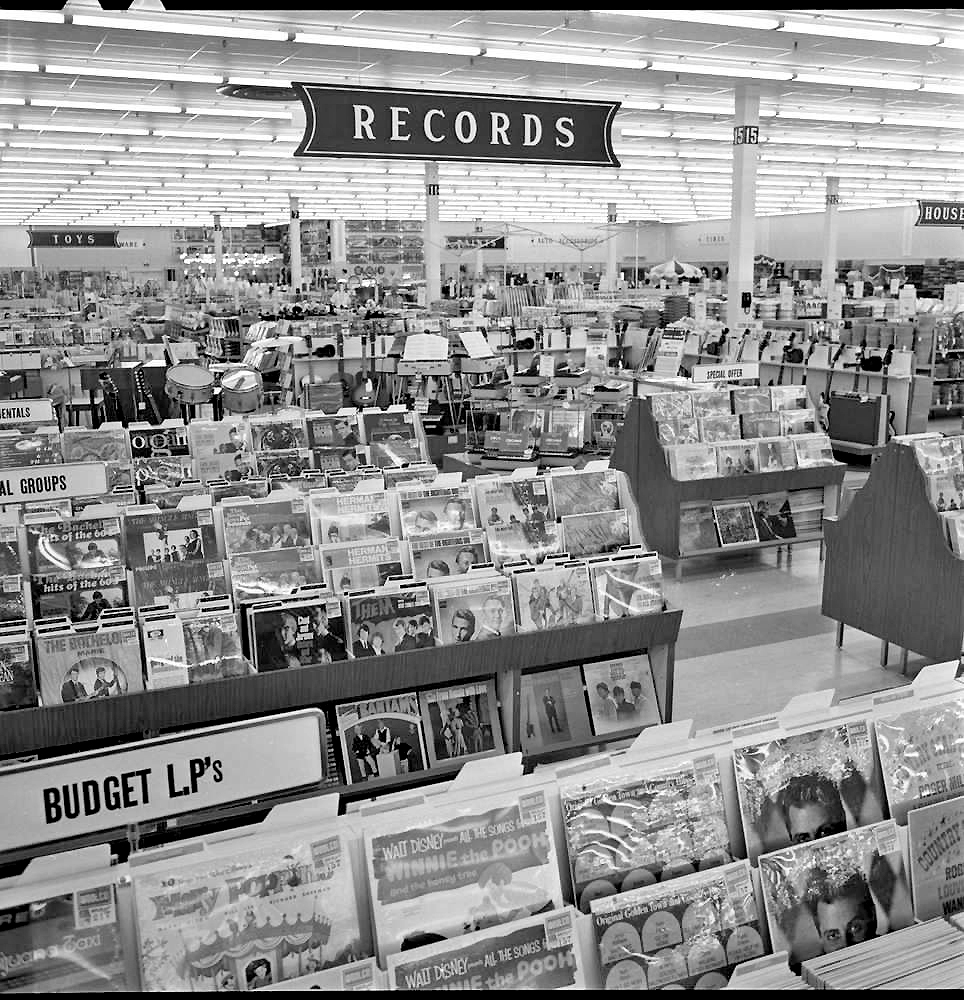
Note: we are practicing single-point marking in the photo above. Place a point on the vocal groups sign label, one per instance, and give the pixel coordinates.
(52, 482)
(382, 122)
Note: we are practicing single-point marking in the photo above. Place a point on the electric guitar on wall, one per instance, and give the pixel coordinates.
(144, 400)
(112, 404)
(787, 348)
(891, 414)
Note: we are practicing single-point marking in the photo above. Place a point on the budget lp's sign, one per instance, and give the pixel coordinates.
(940, 213)
(381, 122)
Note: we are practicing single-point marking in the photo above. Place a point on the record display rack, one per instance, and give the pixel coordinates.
(890, 570)
(659, 496)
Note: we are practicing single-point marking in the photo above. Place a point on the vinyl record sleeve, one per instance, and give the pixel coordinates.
(204, 648)
(87, 545)
(292, 462)
(391, 621)
(296, 632)
(170, 537)
(936, 849)
(431, 510)
(68, 943)
(824, 896)
(584, 492)
(736, 459)
(939, 455)
(594, 534)
(278, 572)
(451, 870)
(346, 482)
(392, 452)
(340, 459)
(416, 473)
(22, 449)
(177, 585)
(80, 595)
(349, 517)
(534, 953)
(813, 450)
(352, 978)
(751, 400)
(667, 405)
(10, 551)
(388, 426)
(776, 455)
(170, 497)
(461, 721)
(689, 934)
(629, 699)
(81, 444)
(711, 402)
(80, 666)
(626, 587)
(735, 523)
(808, 785)
(171, 471)
(691, 461)
(797, 422)
(361, 565)
(249, 916)
(515, 540)
(553, 709)
(447, 554)
(552, 596)
(719, 427)
(267, 433)
(159, 442)
(697, 529)
(761, 425)
(220, 450)
(13, 604)
(504, 501)
(381, 737)
(18, 681)
(332, 430)
(266, 524)
(789, 397)
(257, 489)
(773, 514)
(473, 609)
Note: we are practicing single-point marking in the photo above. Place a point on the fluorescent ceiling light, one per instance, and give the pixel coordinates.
(876, 82)
(24, 158)
(92, 146)
(134, 23)
(36, 16)
(18, 101)
(185, 150)
(130, 74)
(944, 88)
(645, 133)
(921, 121)
(709, 69)
(188, 134)
(894, 144)
(232, 113)
(782, 140)
(831, 29)
(828, 117)
(335, 37)
(98, 130)
(952, 41)
(710, 17)
(640, 106)
(528, 54)
(161, 109)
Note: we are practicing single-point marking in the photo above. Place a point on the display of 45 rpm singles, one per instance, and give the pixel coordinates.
(628, 827)
(921, 754)
(584, 492)
(392, 619)
(247, 915)
(936, 850)
(303, 631)
(18, 684)
(627, 585)
(824, 896)
(348, 517)
(351, 978)
(445, 554)
(191, 648)
(64, 937)
(808, 785)
(552, 595)
(362, 565)
(87, 661)
(275, 573)
(278, 522)
(451, 868)
(433, 509)
(535, 953)
(381, 737)
(688, 934)
(474, 607)
(596, 533)
(461, 722)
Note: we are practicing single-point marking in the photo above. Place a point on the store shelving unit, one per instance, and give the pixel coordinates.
(659, 497)
(890, 570)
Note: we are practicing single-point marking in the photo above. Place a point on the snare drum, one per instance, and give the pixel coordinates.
(188, 384)
(241, 390)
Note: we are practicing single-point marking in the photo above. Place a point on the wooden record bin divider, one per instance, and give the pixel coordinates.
(659, 496)
(890, 570)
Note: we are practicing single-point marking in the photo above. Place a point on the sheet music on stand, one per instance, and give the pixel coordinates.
(426, 347)
(476, 344)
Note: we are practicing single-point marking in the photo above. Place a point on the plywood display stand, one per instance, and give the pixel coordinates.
(639, 454)
(890, 569)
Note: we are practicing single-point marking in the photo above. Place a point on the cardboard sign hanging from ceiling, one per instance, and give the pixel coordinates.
(382, 122)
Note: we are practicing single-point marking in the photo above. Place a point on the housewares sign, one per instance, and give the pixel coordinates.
(940, 213)
(405, 124)
(73, 238)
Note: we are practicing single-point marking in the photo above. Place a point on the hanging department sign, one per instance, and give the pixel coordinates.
(382, 122)
(940, 213)
(475, 243)
(73, 238)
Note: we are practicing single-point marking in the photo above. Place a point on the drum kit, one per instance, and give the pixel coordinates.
(190, 385)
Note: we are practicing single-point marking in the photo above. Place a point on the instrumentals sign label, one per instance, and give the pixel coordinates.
(406, 124)
(940, 213)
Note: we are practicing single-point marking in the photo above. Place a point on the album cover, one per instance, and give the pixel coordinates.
(921, 755)
(679, 430)
(697, 529)
(310, 479)
(535, 953)
(248, 916)
(80, 595)
(594, 534)
(583, 492)
(275, 573)
(473, 866)
(553, 709)
(936, 849)
(296, 632)
(170, 471)
(361, 565)
(349, 517)
(63, 509)
(719, 427)
(271, 433)
(940, 454)
(351, 978)
(418, 473)
(220, 450)
(607, 422)
(68, 943)
(19, 449)
(735, 523)
(564, 431)
(797, 422)
(105, 444)
(257, 489)
(751, 400)
(88, 545)
(388, 425)
(381, 737)
(474, 609)
(627, 586)
(789, 397)
(259, 525)
(773, 515)
(171, 536)
(553, 595)
(806, 786)
(691, 461)
(392, 452)
(392, 621)
(332, 431)
(954, 524)
(448, 554)
(291, 463)
(736, 459)
(13, 604)
(9, 550)
(340, 459)
(515, 540)
(761, 425)
(82, 664)
(432, 510)
(18, 681)
(167, 440)
(688, 934)
(119, 497)
(776, 455)
(667, 405)
(946, 490)
(346, 482)
(178, 585)
(710, 402)
(824, 896)
(461, 721)
(170, 497)
(813, 450)
(509, 501)
(181, 651)
(621, 694)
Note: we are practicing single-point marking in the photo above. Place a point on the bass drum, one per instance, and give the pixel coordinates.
(189, 384)
(241, 390)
